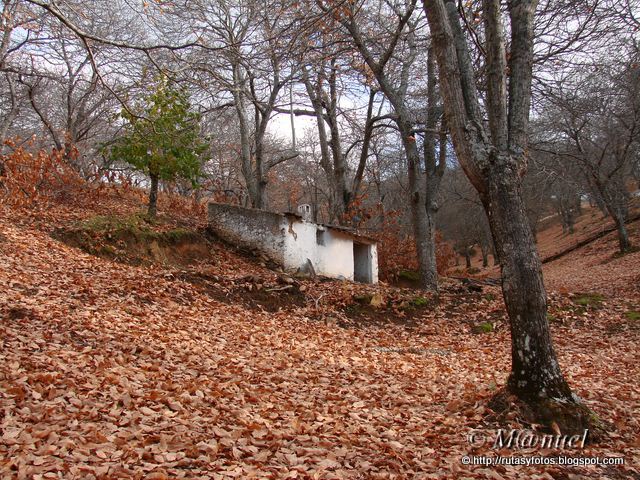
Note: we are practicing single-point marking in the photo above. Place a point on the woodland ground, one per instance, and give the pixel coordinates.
(149, 367)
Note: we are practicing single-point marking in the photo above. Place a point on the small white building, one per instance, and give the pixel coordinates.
(293, 242)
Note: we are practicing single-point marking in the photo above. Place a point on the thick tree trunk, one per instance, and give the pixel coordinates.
(153, 196)
(247, 168)
(424, 237)
(260, 194)
(495, 168)
(535, 373)
(327, 145)
(342, 194)
(430, 248)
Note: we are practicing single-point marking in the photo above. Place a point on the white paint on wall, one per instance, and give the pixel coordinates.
(336, 256)
(291, 241)
(374, 263)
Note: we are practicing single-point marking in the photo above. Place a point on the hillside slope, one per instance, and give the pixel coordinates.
(595, 267)
(109, 370)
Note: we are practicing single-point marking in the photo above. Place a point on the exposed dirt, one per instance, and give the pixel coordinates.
(139, 247)
(196, 254)
(403, 313)
(254, 296)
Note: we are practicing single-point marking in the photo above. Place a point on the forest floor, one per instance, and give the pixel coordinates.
(120, 362)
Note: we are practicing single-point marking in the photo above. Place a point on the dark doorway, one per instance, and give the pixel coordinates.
(362, 263)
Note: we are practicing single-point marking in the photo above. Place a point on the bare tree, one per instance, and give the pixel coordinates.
(321, 80)
(593, 122)
(12, 18)
(494, 157)
(390, 58)
(254, 66)
(72, 105)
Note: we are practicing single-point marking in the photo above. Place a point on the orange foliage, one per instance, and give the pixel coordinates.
(29, 177)
(186, 207)
(44, 177)
(397, 250)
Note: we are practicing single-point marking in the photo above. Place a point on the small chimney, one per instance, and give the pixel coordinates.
(305, 212)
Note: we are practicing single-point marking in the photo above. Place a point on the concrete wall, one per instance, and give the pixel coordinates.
(249, 228)
(333, 259)
(290, 241)
(300, 244)
(374, 263)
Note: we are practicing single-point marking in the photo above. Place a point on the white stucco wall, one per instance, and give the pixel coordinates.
(333, 259)
(374, 263)
(289, 240)
(299, 244)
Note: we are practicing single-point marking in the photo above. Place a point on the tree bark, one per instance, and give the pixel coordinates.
(421, 199)
(615, 205)
(485, 255)
(8, 120)
(496, 171)
(434, 172)
(333, 159)
(153, 196)
(422, 219)
(624, 244)
(245, 136)
(535, 372)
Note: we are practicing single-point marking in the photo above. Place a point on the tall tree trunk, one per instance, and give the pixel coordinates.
(153, 196)
(10, 117)
(343, 194)
(615, 206)
(261, 194)
(495, 161)
(333, 159)
(423, 225)
(534, 367)
(314, 91)
(239, 85)
(423, 207)
(434, 170)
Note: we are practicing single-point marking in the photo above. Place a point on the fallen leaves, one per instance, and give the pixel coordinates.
(114, 371)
